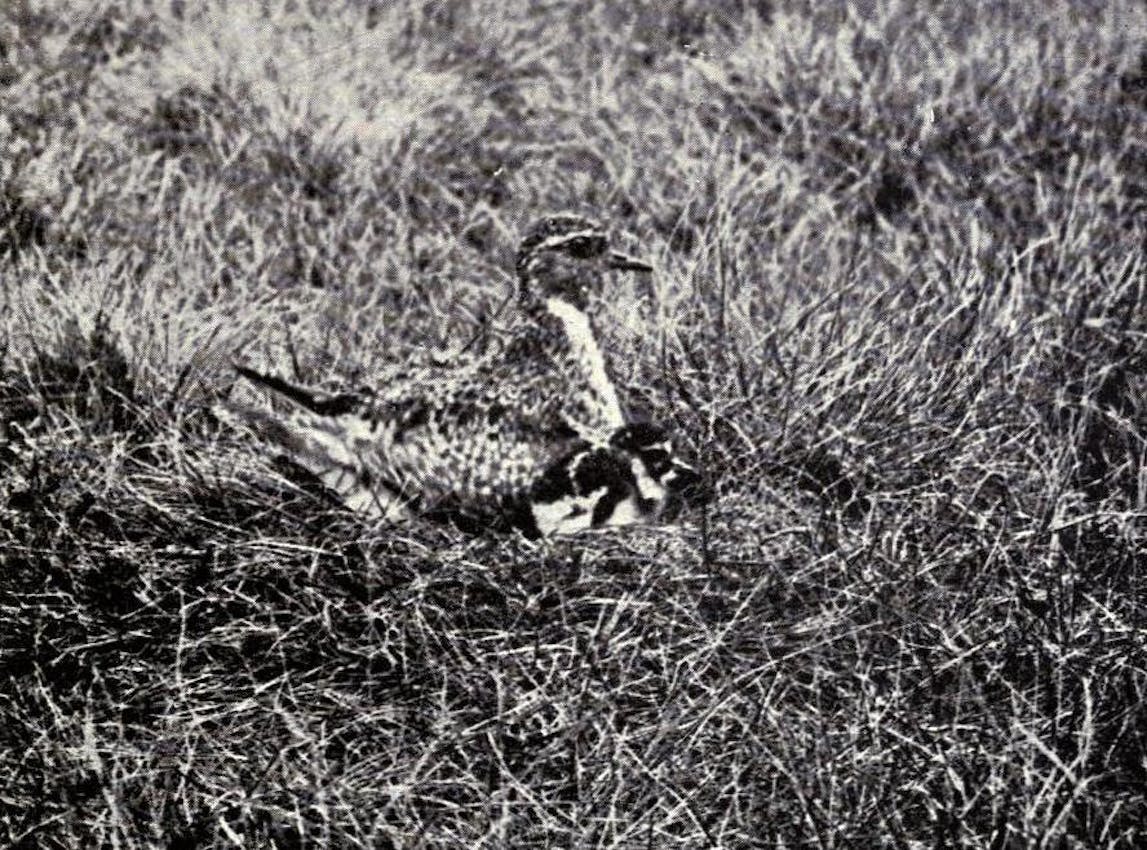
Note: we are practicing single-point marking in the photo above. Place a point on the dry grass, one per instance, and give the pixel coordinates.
(899, 312)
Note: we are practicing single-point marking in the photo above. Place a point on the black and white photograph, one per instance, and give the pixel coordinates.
(583, 424)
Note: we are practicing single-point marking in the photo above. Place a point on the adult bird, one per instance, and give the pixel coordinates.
(474, 433)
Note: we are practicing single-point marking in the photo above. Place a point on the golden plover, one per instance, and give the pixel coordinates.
(636, 478)
(479, 432)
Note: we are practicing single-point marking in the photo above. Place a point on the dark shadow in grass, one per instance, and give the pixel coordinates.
(85, 377)
(21, 227)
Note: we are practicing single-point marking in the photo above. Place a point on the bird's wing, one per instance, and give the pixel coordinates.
(459, 435)
(471, 434)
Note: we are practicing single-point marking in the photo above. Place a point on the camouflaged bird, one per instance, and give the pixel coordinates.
(636, 478)
(477, 433)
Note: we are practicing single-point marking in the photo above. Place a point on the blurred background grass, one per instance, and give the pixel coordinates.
(898, 313)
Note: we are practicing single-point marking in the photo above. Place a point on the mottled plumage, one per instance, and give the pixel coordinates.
(479, 432)
(636, 478)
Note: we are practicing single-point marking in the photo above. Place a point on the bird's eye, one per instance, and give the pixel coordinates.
(585, 247)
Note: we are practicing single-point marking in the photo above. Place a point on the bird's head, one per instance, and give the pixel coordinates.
(568, 256)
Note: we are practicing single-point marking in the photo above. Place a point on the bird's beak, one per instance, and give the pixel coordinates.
(628, 264)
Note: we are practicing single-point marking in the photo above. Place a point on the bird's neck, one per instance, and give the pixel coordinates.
(572, 319)
(553, 323)
(582, 347)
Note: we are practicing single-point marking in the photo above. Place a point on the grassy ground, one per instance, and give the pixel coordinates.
(899, 313)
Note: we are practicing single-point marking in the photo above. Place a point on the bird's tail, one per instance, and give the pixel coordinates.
(332, 405)
(315, 436)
